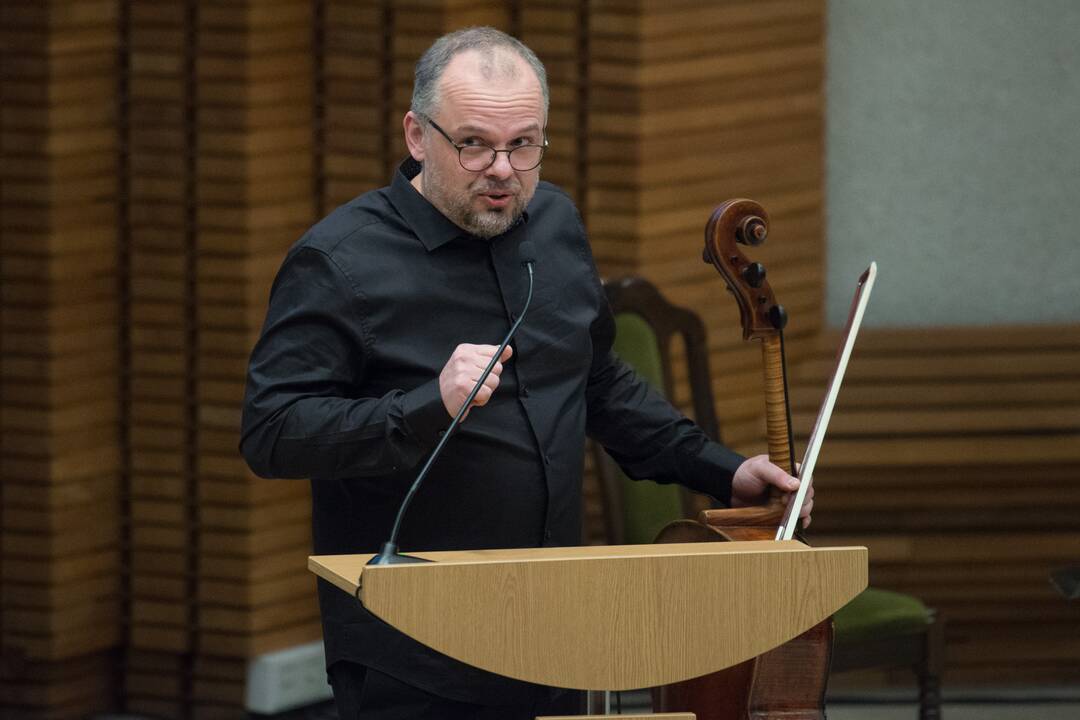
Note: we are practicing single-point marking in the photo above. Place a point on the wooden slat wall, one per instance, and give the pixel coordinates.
(60, 542)
(254, 120)
(160, 316)
(352, 145)
(953, 455)
(691, 103)
(220, 164)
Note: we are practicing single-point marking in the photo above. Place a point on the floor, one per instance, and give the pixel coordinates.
(959, 711)
(1030, 703)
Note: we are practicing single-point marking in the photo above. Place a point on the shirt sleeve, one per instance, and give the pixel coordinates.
(643, 432)
(301, 417)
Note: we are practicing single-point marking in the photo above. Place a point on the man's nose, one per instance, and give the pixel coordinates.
(501, 168)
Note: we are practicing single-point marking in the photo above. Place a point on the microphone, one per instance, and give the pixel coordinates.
(527, 255)
(388, 554)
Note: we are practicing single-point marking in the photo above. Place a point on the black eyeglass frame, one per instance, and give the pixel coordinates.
(494, 153)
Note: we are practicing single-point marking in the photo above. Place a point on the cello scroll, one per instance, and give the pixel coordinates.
(744, 222)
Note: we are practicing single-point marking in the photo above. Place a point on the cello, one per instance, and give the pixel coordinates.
(789, 681)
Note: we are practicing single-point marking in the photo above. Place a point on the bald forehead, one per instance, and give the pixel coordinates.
(489, 66)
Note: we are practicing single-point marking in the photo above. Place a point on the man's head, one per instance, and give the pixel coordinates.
(478, 87)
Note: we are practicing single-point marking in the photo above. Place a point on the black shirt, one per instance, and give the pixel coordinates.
(343, 389)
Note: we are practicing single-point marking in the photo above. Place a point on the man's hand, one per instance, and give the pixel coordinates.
(753, 478)
(463, 369)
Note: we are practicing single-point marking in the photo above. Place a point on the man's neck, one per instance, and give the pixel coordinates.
(416, 182)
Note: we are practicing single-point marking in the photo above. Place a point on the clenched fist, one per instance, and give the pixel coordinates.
(461, 372)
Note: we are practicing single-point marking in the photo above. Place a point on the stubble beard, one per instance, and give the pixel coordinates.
(459, 208)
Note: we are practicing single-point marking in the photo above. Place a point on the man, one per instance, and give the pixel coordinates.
(380, 322)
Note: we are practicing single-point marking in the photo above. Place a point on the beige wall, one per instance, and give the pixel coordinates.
(954, 160)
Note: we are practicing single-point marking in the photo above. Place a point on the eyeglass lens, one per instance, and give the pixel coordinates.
(481, 157)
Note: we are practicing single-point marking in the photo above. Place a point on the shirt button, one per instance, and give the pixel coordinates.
(524, 391)
(547, 460)
(547, 534)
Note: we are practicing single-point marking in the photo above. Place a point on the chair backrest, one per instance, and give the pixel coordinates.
(646, 323)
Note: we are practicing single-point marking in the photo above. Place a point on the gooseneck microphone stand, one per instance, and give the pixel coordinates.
(388, 554)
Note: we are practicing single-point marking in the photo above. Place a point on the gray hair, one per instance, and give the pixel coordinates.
(430, 66)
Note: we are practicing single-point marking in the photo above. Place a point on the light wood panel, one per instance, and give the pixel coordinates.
(616, 617)
(656, 716)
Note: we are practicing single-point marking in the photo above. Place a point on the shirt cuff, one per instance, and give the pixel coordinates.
(424, 411)
(712, 471)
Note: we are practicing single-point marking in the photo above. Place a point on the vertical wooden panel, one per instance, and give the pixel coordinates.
(355, 101)
(254, 199)
(60, 536)
(161, 345)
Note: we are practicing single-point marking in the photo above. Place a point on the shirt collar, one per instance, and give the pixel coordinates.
(428, 224)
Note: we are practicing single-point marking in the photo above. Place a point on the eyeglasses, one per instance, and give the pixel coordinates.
(479, 157)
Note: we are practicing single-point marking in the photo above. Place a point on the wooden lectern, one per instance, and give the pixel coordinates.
(606, 618)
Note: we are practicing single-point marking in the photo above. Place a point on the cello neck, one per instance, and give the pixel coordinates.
(759, 522)
(777, 426)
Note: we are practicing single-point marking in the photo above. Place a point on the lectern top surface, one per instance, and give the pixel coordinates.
(354, 565)
(344, 571)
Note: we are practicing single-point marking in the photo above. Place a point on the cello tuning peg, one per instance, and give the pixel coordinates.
(751, 231)
(778, 316)
(754, 274)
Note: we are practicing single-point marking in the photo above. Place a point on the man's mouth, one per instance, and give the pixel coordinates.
(496, 199)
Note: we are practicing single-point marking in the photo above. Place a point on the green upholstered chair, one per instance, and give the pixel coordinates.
(646, 507)
(883, 629)
(878, 629)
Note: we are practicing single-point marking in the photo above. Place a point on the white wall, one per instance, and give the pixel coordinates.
(953, 159)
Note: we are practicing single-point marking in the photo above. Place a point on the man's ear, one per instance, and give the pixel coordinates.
(414, 135)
